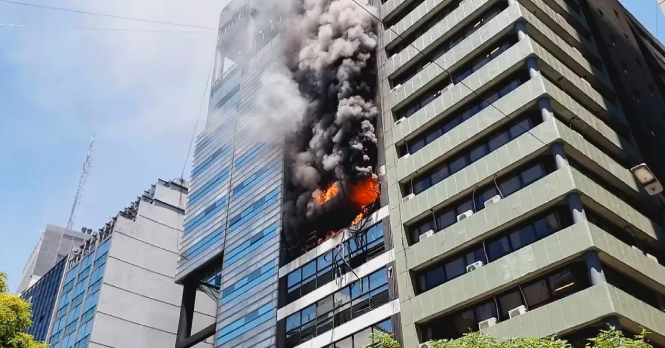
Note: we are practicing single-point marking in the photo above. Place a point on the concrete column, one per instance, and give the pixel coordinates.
(594, 267)
(559, 155)
(545, 109)
(186, 311)
(520, 27)
(576, 208)
(532, 66)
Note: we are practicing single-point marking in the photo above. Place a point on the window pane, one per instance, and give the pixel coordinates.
(562, 283)
(464, 206)
(309, 270)
(451, 124)
(308, 314)
(519, 128)
(499, 248)
(440, 174)
(432, 136)
(485, 196)
(511, 186)
(325, 305)
(345, 343)
(324, 261)
(342, 296)
(293, 321)
(476, 255)
(486, 311)
(455, 268)
(524, 236)
(385, 326)
(457, 164)
(434, 278)
(532, 174)
(414, 147)
(498, 141)
(478, 152)
(547, 225)
(465, 322)
(509, 302)
(378, 278)
(536, 293)
(446, 219)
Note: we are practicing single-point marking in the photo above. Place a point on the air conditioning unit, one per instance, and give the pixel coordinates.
(487, 323)
(464, 215)
(652, 258)
(474, 266)
(516, 312)
(427, 234)
(409, 197)
(397, 88)
(493, 200)
(399, 121)
(425, 345)
(407, 155)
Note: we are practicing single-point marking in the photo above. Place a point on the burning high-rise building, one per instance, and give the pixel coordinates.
(474, 152)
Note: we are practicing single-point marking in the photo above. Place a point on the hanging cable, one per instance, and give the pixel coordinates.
(99, 14)
(497, 187)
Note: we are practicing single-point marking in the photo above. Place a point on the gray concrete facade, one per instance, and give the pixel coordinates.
(54, 244)
(582, 130)
(137, 301)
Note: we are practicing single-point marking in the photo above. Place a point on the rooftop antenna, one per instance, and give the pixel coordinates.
(82, 180)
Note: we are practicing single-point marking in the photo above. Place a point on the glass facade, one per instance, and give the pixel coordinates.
(75, 310)
(42, 295)
(234, 208)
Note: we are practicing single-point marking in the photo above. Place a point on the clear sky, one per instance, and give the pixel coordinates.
(139, 91)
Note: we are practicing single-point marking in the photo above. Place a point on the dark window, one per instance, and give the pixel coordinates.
(536, 292)
(461, 73)
(344, 305)
(496, 247)
(320, 271)
(471, 154)
(465, 112)
(523, 177)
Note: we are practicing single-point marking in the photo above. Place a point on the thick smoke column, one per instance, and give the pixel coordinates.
(331, 48)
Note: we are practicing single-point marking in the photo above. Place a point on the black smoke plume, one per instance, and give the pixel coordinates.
(331, 54)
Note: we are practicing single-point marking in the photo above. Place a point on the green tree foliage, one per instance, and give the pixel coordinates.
(606, 339)
(14, 320)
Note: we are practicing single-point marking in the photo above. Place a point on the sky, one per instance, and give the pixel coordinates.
(139, 92)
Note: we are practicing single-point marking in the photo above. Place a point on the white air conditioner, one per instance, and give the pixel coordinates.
(516, 312)
(425, 345)
(474, 266)
(428, 234)
(487, 323)
(407, 155)
(409, 197)
(652, 258)
(399, 121)
(493, 200)
(464, 215)
(398, 87)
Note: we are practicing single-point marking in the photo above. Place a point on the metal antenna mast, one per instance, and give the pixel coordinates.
(82, 180)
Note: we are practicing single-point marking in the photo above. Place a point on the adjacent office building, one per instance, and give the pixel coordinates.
(118, 289)
(507, 132)
(54, 244)
(42, 297)
(42, 274)
(511, 126)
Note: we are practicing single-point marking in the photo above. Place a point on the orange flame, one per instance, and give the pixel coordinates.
(327, 194)
(360, 216)
(364, 192)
